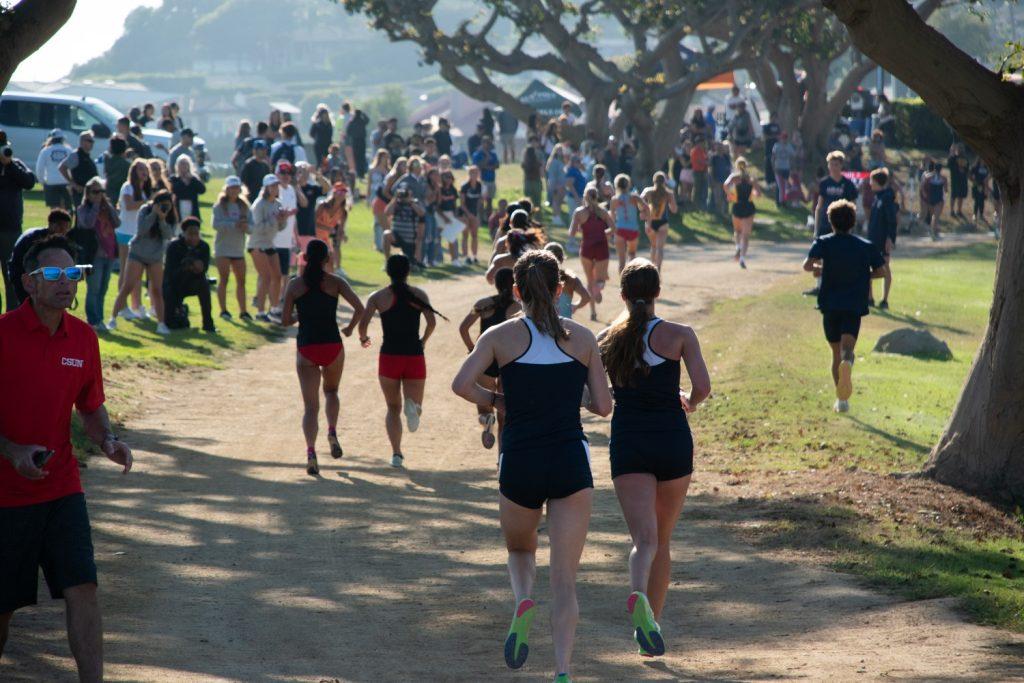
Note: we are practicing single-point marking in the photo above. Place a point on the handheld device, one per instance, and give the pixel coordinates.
(40, 458)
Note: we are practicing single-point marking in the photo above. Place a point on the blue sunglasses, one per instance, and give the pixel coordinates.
(53, 273)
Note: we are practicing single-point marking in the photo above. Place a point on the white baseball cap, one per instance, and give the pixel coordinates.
(270, 179)
(232, 181)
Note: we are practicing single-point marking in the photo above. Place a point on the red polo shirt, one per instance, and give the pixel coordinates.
(42, 377)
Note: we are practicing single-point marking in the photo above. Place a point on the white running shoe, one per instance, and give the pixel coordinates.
(412, 414)
(112, 324)
(149, 313)
(128, 314)
(162, 328)
(841, 406)
(396, 460)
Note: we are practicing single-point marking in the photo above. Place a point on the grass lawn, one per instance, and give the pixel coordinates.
(770, 423)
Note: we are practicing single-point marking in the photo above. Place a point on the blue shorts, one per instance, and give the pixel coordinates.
(123, 237)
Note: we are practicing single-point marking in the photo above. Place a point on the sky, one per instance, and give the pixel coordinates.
(92, 29)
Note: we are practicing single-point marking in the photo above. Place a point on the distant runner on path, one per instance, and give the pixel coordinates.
(845, 264)
(320, 352)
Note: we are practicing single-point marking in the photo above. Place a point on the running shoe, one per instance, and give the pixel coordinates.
(128, 314)
(245, 317)
(743, 264)
(112, 324)
(312, 467)
(99, 328)
(224, 315)
(883, 305)
(396, 460)
(844, 387)
(412, 414)
(645, 628)
(517, 647)
(149, 313)
(841, 406)
(336, 451)
(813, 291)
(162, 328)
(263, 317)
(488, 437)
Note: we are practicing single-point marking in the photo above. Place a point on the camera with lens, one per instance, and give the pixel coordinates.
(7, 151)
(403, 195)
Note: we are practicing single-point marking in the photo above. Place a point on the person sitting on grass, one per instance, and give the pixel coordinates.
(187, 260)
(882, 227)
(845, 263)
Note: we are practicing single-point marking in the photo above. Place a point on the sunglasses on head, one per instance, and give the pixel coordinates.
(53, 273)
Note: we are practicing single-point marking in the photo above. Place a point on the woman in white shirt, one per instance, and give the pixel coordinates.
(135, 192)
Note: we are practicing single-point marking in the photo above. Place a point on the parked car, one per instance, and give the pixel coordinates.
(28, 118)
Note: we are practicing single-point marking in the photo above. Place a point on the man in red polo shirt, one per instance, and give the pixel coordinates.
(49, 363)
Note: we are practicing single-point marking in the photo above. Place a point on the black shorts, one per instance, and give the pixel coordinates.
(57, 195)
(666, 455)
(285, 258)
(530, 477)
(658, 222)
(838, 323)
(55, 536)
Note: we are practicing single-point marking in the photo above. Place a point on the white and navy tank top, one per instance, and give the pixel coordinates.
(543, 391)
(651, 401)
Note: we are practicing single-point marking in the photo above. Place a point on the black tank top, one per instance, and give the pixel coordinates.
(318, 322)
(499, 315)
(652, 402)
(401, 325)
(743, 208)
(543, 391)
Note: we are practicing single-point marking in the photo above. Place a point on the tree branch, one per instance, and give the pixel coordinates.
(25, 27)
(984, 109)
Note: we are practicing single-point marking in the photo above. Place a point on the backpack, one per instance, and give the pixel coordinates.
(286, 152)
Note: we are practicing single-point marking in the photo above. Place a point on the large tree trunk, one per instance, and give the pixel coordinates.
(982, 449)
(25, 28)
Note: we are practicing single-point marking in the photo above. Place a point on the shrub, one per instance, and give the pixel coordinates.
(916, 125)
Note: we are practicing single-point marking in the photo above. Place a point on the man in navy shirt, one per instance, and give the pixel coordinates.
(487, 161)
(882, 226)
(845, 264)
(832, 187)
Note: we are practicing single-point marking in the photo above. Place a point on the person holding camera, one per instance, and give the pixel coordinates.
(96, 235)
(407, 226)
(185, 266)
(158, 222)
(54, 360)
(15, 179)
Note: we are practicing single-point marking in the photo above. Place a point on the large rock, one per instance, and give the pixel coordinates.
(908, 341)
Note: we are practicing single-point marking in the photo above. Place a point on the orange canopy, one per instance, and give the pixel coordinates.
(720, 82)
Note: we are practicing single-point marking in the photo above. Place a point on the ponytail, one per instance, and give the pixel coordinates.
(503, 280)
(316, 254)
(537, 274)
(622, 347)
(397, 268)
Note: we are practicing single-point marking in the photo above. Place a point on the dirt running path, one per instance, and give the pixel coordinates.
(221, 560)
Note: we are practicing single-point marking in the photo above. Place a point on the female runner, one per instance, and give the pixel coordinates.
(628, 211)
(401, 368)
(571, 285)
(320, 353)
(491, 311)
(651, 446)
(545, 363)
(743, 208)
(596, 224)
(660, 202)
(517, 241)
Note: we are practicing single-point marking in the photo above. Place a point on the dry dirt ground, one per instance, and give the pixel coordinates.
(220, 559)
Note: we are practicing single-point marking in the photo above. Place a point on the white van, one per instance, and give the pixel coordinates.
(28, 118)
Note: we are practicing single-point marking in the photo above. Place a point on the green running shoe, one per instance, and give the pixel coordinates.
(563, 678)
(517, 647)
(645, 628)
